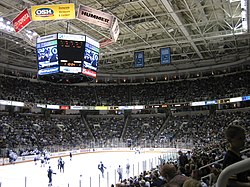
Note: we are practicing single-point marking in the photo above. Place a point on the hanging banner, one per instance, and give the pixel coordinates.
(165, 55)
(115, 30)
(93, 16)
(53, 12)
(21, 20)
(139, 59)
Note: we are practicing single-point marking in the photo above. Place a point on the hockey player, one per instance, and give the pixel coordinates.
(36, 158)
(119, 171)
(58, 162)
(12, 156)
(137, 150)
(50, 172)
(127, 168)
(70, 156)
(101, 167)
(47, 157)
(62, 165)
(42, 161)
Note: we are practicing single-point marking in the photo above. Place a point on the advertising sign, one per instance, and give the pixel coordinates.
(89, 72)
(47, 71)
(94, 16)
(46, 38)
(53, 12)
(21, 21)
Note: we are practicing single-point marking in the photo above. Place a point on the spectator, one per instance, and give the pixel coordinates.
(192, 183)
(169, 172)
(236, 137)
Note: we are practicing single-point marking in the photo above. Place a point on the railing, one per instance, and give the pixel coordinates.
(235, 168)
(217, 162)
(111, 143)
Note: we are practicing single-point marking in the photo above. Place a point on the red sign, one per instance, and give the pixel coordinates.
(88, 72)
(105, 42)
(64, 107)
(22, 20)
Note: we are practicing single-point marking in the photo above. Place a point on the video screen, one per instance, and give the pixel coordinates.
(91, 59)
(47, 57)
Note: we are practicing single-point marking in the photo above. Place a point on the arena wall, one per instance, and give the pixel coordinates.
(22, 159)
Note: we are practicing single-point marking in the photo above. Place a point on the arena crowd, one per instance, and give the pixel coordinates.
(202, 130)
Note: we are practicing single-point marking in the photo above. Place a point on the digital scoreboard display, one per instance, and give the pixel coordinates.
(70, 55)
(67, 54)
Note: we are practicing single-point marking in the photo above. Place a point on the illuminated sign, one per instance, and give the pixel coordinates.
(101, 108)
(92, 42)
(17, 103)
(47, 71)
(46, 38)
(199, 103)
(41, 106)
(5, 102)
(53, 107)
(213, 102)
(246, 98)
(139, 107)
(64, 107)
(68, 69)
(74, 37)
(88, 72)
(235, 99)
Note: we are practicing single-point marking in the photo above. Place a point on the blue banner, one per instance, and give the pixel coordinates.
(139, 59)
(165, 55)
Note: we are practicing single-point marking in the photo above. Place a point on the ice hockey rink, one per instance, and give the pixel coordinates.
(81, 171)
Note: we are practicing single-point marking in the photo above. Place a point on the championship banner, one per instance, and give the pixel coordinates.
(21, 20)
(115, 31)
(165, 55)
(94, 16)
(139, 59)
(53, 12)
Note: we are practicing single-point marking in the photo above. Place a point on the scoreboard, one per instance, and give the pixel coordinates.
(67, 54)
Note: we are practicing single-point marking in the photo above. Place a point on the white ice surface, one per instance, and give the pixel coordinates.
(82, 171)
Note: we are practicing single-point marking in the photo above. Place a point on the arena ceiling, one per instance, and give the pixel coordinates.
(200, 33)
